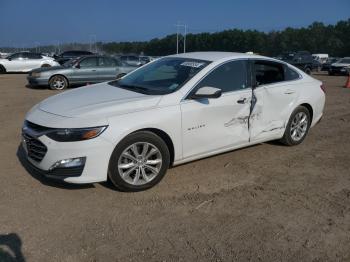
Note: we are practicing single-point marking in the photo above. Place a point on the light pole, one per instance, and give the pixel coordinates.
(178, 26)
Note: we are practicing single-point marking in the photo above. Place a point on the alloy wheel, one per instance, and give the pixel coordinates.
(58, 83)
(299, 126)
(140, 163)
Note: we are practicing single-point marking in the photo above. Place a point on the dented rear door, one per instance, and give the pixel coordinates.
(271, 107)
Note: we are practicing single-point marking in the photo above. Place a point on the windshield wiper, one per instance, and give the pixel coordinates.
(135, 88)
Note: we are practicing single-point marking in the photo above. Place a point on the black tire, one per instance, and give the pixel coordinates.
(287, 138)
(54, 80)
(330, 73)
(2, 69)
(139, 137)
(120, 75)
(308, 70)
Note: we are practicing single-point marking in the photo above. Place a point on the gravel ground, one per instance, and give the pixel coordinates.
(263, 203)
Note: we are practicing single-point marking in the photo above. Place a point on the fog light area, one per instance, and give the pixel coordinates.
(70, 162)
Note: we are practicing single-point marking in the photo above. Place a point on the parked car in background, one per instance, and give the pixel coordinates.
(86, 69)
(174, 110)
(4, 55)
(327, 65)
(340, 67)
(301, 59)
(131, 60)
(145, 59)
(25, 62)
(67, 55)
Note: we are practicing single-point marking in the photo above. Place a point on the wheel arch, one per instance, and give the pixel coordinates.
(58, 75)
(165, 137)
(310, 109)
(3, 67)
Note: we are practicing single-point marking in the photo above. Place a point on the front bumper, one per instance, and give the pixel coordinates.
(338, 70)
(37, 81)
(97, 152)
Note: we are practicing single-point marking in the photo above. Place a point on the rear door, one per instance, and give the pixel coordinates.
(275, 94)
(107, 68)
(209, 125)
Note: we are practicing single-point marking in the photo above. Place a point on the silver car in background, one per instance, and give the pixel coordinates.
(82, 70)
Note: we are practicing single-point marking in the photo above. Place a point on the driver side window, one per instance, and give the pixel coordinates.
(231, 76)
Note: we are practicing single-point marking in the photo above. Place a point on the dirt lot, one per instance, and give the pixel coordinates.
(263, 203)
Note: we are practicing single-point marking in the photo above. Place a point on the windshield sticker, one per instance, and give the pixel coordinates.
(193, 64)
(173, 86)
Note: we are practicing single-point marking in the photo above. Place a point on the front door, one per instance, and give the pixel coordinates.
(86, 71)
(209, 125)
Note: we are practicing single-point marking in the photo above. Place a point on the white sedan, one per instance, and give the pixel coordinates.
(25, 62)
(171, 111)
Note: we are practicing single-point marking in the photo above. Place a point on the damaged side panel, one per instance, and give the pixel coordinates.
(271, 106)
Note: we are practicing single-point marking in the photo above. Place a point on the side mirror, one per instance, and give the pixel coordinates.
(9, 58)
(207, 92)
(77, 66)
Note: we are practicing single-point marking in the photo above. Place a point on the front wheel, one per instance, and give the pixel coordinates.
(139, 162)
(2, 69)
(297, 127)
(58, 82)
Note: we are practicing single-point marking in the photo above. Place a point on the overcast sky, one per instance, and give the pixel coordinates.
(29, 23)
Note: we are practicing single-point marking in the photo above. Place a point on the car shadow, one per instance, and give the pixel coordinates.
(21, 155)
(11, 248)
(34, 87)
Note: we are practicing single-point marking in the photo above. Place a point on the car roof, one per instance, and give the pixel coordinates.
(215, 56)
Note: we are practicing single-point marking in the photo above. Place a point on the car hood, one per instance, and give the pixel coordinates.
(100, 100)
(48, 69)
(340, 64)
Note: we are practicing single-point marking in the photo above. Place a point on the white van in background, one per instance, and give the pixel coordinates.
(322, 58)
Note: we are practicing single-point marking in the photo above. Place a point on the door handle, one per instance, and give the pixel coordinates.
(93, 70)
(289, 92)
(242, 100)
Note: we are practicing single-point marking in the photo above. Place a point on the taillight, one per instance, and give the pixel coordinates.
(323, 87)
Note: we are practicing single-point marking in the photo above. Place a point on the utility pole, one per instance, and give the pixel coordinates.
(93, 40)
(178, 26)
(185, 38)
(177, 39)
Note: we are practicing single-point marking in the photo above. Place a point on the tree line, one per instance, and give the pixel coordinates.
(316, 38)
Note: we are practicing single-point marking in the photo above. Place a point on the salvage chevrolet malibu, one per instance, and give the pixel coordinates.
(171, 111)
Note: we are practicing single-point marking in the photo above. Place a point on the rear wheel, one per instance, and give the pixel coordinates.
(308, 70)
(58, 82)
(139, 162)
(297, 127)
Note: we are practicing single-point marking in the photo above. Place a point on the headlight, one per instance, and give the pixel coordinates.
(75, 134)
(35, 74)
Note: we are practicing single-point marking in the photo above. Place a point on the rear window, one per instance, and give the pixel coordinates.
(291, 74)
(267, 72)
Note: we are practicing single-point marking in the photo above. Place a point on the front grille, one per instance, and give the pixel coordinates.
(36, 150)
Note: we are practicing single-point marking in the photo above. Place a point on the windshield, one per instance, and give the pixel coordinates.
(344, 61)
(161, 77)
